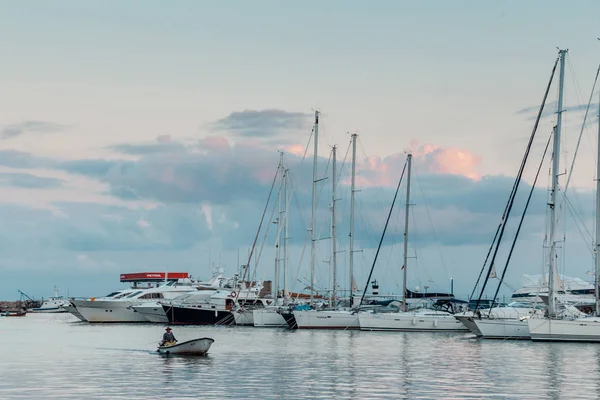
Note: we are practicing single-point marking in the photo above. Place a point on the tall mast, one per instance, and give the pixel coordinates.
(597, 283)
(554, 192)
(286, 228)
(279, 226)
(314, 210)
(333, 222)
(352, 190)
(406, 217)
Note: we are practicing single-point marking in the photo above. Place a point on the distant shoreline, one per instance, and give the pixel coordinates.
(10, 305)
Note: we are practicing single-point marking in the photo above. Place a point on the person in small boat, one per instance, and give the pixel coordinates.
(168, 337)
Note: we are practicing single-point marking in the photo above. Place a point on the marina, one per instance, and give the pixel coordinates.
(299, 200)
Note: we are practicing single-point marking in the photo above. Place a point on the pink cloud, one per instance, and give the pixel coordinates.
(427, 157)
(449, 160)
(295, 149)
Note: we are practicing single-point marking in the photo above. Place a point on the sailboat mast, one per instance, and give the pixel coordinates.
(352, 190)
(286, 228)
(279, 226)
(597, 280)
(333, 222)
(406, 218)
(314, 210)
(554, 193)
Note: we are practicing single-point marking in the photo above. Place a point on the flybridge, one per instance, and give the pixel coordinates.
(153, 276)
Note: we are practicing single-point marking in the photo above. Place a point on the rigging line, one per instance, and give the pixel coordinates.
(383, 234)
(294, 196)
(583, 126)
(306, 241)
(318, 239)
(297, 201)
(307, 145)
(259, 228)
(500, 224)
(435, 237)
(577, 219)
(518, 181)
(512, 247)
(509, 286)
(262, 245)
(377, 190)
(573, 211)
(344, 163)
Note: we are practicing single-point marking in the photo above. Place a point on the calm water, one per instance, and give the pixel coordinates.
(51, 356)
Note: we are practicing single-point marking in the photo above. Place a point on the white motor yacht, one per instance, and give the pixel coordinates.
(118, 308)
(154, 311)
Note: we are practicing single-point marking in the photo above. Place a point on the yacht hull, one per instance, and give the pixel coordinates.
(578, 330)
(152, 312)
(178, 315)
(100, 311)
(269, 317)
(326, 319)
(243, 317)
(503, 328)
(469, 322)
(409, 322)
(73, 310)
(288, 317)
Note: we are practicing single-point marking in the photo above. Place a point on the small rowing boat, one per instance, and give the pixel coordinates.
(12, 313)
(196, 347)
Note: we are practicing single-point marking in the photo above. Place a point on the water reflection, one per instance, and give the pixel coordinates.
(49, 357)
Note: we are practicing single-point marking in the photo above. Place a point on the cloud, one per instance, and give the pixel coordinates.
(11, 131)
(449, 160)
(94, 168)
(427, 158)
(227, 184)
(550, 109)
(163, 144)
(212, 194)
(213, 170)
(21, 159)
(29, 181)
(89, 227)
(263, 124)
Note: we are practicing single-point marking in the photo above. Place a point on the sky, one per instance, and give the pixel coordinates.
(143, 135)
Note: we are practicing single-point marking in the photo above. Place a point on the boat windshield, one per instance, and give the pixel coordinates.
(112, 294)
(520, 304)
(134, 294)
(121, 295)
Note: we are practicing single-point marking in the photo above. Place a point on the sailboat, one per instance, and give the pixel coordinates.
(504, 323)
(288, 312)
(585, 329)
(511, 322)
(422, 320)
(335, 316)
(266, 315)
